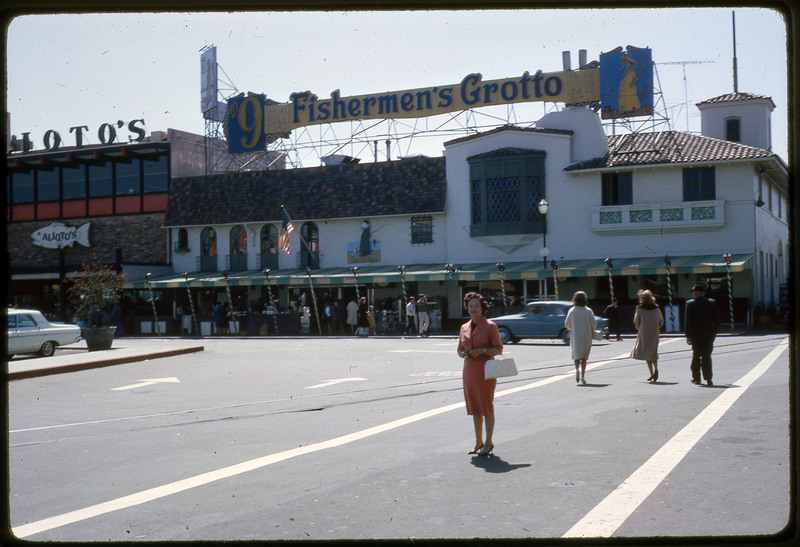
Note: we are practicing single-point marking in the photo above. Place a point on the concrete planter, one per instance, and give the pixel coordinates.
(98, 338)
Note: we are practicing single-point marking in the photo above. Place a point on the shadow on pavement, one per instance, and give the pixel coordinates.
(495, 464)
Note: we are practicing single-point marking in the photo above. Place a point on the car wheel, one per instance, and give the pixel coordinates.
(505, 335)
(565, 336)
(47, 349)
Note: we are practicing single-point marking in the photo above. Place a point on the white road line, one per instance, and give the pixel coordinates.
(609, 514)
(176, 487)
(158, 492)
(327, 383)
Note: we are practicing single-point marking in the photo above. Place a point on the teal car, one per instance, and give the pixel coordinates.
(540, 320)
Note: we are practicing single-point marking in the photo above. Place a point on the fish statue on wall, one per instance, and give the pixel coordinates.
(58, 235)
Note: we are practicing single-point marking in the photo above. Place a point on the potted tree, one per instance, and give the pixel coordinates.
(90, 291)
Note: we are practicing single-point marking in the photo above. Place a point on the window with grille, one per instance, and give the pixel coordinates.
(421, 229)
(506, 186)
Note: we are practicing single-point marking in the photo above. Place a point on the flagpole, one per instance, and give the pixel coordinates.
(302, 239)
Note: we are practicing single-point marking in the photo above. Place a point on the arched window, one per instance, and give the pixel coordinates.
(208, 250)
(309, 256)
(269, 247)
(733, 129)
(237, 260)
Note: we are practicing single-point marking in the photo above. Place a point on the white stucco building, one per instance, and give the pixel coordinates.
(654, 203)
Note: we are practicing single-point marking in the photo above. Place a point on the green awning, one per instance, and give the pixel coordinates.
(482, 271)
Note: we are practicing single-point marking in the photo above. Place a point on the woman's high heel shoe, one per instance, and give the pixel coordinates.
(476, 449)
(655, 375)
(650, 379)
(486, 451)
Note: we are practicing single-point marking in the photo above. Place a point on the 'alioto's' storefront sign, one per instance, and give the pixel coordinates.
(249, 116)
(106, 134)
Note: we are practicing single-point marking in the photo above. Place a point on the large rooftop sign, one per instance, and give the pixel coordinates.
(252, 122)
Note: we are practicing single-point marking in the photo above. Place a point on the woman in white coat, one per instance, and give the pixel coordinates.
(581, 323)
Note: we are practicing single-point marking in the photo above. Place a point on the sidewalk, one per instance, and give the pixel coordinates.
(77, 357)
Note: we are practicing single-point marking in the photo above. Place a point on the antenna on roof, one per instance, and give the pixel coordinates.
(735, 76)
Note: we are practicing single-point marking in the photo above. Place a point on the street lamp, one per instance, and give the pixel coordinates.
(543, 207)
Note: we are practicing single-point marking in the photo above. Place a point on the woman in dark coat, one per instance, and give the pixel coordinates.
(363, 316)
(478, 342)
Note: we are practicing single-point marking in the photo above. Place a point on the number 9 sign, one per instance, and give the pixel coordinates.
(245, 121)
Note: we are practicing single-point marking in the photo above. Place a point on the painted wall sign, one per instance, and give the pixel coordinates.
(106, 134)
(304, 108)
(626, 83)
(58, 235)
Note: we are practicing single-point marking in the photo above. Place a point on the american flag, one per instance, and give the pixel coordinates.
(286, 229)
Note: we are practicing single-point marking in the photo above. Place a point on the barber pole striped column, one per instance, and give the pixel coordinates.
(153, 302)
(228, 292)
(314, 300)
(669, 295)
(269, 298)
(610, 278)
(727, 258)
(405, 297)
(501, 267)
(354, 269)
(555, 278)
(191, 305)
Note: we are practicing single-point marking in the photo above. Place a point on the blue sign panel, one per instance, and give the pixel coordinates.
(244, 120)
(626, 83)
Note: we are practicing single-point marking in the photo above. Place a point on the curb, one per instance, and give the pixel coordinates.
(47, 371)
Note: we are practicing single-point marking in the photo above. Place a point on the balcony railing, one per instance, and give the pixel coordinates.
(237, 262)
(207, 263)
(684, 216)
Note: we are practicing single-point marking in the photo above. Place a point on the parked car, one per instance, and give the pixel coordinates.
(540, 320)
(29, 332)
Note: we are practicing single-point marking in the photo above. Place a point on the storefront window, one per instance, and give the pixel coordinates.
(74, 183)
(156, 175)
(22, 187)
(128, 181)
(99, 181)
(47, 185)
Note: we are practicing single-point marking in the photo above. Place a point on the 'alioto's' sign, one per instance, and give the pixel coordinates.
(106, 134)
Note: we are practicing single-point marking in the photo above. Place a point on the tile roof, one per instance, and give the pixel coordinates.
(668, 147)
(509, 127)
(407, 186)
(736, 97)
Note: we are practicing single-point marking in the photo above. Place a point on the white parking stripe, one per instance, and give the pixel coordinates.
(609, 514)
(158, 492)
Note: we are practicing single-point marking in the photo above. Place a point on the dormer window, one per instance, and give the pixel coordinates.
(733, 129)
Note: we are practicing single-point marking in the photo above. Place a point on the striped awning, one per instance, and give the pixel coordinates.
(482, 271)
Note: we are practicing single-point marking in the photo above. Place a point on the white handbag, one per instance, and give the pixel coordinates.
(499, 367)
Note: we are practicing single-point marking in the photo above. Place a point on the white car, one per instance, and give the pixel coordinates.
(29, 332)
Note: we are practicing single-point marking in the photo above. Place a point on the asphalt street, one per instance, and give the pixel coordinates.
(342, 438)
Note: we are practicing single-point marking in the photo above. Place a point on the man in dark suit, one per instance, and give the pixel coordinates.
(701, 325)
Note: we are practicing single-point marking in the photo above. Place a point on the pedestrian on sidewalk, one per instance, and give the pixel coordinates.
(648, 321)
(702, 325)
(411, 316)
(422, 314)
(612, 314)
(479, 341)
(581, 323)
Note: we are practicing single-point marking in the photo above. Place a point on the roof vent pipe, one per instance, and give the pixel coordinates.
(581, 58)
(565, 60)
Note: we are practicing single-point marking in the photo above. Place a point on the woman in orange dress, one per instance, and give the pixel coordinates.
(478, 342)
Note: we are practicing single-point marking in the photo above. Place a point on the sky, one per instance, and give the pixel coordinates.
(67, 70)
